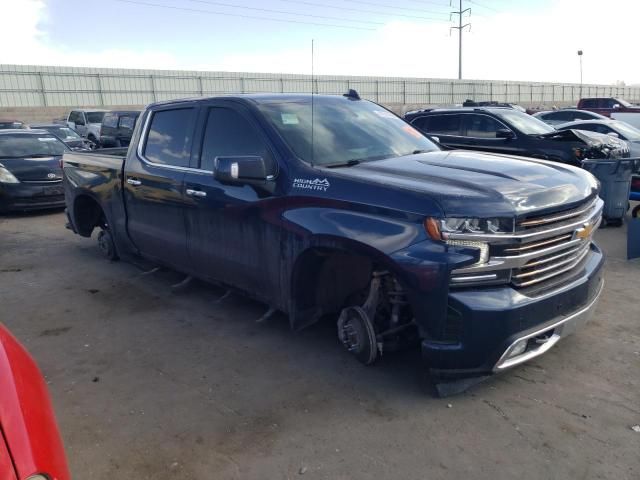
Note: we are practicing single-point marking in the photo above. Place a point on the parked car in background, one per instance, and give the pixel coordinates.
(117, 128)
(621, 130)
(87, 123)
(68, 135)
(483, 261)
(557, 117)
(12, 124)
(508, 131)
(30, 443)
(612, 107)
(30, 171)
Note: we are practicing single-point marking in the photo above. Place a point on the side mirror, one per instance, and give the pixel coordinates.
(504, 133)
(614, 134)
(435, 139)
(242, 170)
(616, 106)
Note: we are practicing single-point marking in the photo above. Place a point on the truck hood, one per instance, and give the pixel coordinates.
(475, 184)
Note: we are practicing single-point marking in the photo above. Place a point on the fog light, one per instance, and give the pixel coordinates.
(517, 348)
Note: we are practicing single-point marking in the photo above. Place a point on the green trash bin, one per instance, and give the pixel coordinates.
(614, 176)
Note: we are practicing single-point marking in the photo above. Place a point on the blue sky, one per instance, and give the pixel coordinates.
(511, 40)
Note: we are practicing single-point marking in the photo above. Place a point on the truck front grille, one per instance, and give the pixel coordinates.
(542, 252)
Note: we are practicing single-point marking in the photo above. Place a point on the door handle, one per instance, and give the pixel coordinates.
(196, 193)
(134, 182)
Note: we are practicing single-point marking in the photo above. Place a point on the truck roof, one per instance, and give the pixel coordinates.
(255, 97)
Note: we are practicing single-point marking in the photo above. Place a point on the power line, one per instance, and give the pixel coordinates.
(284, 12)
(484, 6)
(460, 12)
(386, 5)
(359, 10)
(254, 17)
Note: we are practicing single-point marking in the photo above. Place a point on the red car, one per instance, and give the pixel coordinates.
(607, 105)
(30, 444)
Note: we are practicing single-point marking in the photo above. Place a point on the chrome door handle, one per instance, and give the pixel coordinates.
(134, 182)
(196, 193)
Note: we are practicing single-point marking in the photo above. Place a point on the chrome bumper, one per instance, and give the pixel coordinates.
(540, 341)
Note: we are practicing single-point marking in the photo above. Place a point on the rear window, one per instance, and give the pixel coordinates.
(127, 122)
(110, 120)
(589, 103)
(169, 137)
(448, 124)
(95, 117)
(30, 145)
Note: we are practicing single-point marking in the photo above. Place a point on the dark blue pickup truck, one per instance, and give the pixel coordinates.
(333, 206)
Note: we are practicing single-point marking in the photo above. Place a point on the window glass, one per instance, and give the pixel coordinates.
(30, 145)
(525, 123)
(95, 117)
(110, 120)
(582, 116)
(64, 133)
(553, 116)
(169, 137)
(590, 103)
(127, 122)
(481, 126)
(627, 131)
(342, 130)
(443, 124)
(229, 134)
(420, 123)
(77, 118)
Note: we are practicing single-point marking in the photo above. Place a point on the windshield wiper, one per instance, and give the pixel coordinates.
(348, 163)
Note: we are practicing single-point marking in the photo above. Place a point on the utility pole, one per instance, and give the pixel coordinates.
(460, 12)
(580, 56)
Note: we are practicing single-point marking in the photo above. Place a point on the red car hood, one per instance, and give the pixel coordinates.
(28, 430)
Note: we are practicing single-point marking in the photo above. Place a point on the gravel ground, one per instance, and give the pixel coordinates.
(150, 384)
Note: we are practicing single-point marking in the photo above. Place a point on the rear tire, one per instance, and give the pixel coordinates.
(107, 245)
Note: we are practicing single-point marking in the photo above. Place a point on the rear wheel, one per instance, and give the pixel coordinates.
(636, 211)
(107, 245)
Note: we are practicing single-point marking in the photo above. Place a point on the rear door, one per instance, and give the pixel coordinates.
(229, 238)
(154, 183)
(446, 126)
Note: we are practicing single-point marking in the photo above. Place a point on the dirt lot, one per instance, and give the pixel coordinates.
(149, 384)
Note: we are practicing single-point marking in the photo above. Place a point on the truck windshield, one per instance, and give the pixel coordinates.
(343, 131)
(30, 146)
(525, 123)
(95, 117)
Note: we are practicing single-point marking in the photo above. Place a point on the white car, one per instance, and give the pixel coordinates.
(87, 123)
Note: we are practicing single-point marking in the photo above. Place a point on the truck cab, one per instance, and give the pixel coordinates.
(87, 123)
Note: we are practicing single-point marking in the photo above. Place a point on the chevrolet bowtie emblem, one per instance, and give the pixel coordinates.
(584, 232)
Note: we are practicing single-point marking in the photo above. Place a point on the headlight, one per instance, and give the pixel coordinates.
(443, 229)
(6, 176)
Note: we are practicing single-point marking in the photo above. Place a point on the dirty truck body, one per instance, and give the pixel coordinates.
(483, 260)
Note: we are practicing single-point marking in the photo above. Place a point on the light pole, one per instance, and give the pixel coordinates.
(580, 57)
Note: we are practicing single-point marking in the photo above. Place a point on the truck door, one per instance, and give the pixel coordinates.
(79, 122)
(153, 185)
(229, 237)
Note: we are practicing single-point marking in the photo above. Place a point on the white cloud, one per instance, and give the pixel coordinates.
(534, 45)
(21, 27)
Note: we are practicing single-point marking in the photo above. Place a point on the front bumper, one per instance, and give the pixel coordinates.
(31, 196)
(491, 321)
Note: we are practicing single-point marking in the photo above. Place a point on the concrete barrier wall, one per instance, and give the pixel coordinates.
(47, 86)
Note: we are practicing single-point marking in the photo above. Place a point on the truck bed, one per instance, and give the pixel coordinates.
(111, 158)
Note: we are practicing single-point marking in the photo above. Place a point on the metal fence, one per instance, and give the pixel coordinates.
(46, 86)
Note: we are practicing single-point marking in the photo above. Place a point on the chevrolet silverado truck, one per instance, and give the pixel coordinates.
(334, 207)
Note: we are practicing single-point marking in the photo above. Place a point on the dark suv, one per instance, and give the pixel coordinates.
(117, 128)
(508, 131)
